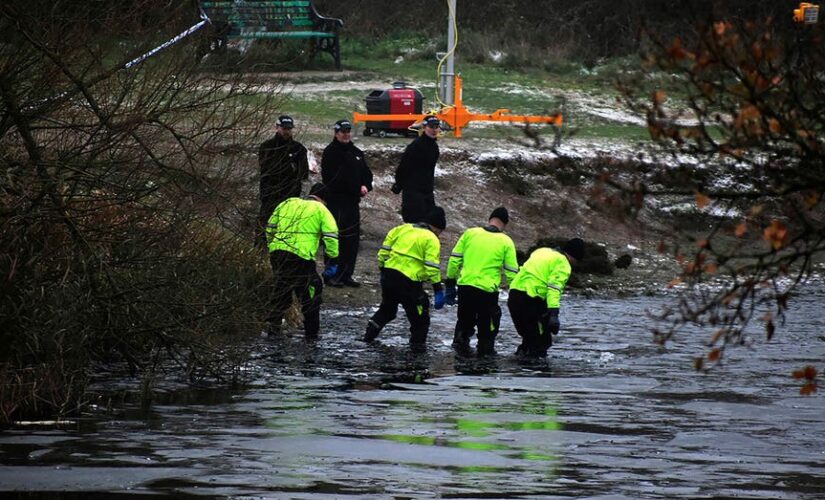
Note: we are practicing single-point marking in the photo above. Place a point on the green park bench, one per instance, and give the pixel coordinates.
(271, 19)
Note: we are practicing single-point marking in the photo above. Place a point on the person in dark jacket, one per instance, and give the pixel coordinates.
(284, 166)
(415, 176)
(345, 172)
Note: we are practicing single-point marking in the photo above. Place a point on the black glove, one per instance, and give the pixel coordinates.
(450, 292)
(395, 189)
(381, 279)
(550, 321)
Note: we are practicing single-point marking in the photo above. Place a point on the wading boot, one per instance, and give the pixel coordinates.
(485, 348)
(461, 344)
(372, 332)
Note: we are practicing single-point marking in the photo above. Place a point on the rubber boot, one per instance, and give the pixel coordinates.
(461, 343)
(485, 348)
(418, 347)
(372, 332)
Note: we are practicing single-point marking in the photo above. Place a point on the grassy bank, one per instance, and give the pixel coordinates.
(588, 96)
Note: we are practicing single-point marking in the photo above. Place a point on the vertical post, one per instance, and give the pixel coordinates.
(448, 71)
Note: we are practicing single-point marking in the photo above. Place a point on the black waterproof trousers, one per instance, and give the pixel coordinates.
(527, 313)
(416, 205)
(348, 217)
(399, 289)
(477, 309)
(292, 274)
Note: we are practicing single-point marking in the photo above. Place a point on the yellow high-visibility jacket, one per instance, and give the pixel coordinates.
(544, 275)
(478, 257)
(414, 251)
(297, 226)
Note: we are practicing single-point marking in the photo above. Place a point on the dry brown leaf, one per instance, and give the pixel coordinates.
(776, 234)
(702, 200)
(810, 372)
(659, 97)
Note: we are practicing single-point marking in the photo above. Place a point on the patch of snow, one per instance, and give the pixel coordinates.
(313, 162)
(717, 210)
(606, 357)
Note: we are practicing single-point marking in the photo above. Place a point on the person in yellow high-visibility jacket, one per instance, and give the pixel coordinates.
(293, 234)
(409, 257)
(475, 265)
(535, 296)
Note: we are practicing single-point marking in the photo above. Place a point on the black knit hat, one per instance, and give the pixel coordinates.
(500, 213)
(437, 218)
(574, 248)
(320, 190)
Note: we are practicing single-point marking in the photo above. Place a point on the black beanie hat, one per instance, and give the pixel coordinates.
(320, 190)
(437, 218)
(574, 248)
(500, 213)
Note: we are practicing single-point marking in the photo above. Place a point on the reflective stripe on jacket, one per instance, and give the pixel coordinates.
(297, 226)
(544, 275)
(478, 257)
(413, 250)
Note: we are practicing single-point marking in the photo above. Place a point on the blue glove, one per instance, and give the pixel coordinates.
(438, 299)
(330, 271)
(451, 293)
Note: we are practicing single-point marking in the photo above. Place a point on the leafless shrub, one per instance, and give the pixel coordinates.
(125, 204)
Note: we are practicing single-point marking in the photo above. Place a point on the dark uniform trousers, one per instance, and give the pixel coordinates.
(477, 309)
(348, 216)
(527, 313)
(416, 205)
(399, 289)
(292, 274)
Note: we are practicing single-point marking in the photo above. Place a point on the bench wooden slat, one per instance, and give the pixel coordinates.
(285, 3)
(301, 23)
(251, 19)
(282, 34)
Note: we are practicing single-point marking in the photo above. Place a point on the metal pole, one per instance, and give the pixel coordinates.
(448, 72)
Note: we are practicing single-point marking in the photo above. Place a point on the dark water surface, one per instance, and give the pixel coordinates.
(609, 415)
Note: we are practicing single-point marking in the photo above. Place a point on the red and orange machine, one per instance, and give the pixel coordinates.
(458, 116)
